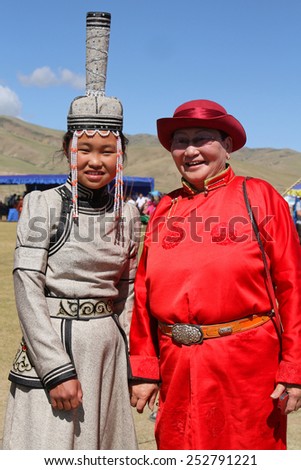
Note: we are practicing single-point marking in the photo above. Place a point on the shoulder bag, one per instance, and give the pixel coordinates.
(268, 280)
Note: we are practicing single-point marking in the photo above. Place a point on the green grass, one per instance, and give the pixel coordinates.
(9, 324)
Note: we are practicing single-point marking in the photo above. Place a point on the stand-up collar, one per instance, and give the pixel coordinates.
(93, 196)
(221, 179)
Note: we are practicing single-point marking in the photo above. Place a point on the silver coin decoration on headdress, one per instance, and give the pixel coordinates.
(95, 112)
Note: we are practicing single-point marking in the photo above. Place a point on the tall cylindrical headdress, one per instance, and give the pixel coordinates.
(95, 111)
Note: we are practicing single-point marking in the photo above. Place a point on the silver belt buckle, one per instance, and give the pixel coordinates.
(187, 334)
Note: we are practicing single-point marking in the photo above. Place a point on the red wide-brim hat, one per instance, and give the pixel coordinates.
(201, 113)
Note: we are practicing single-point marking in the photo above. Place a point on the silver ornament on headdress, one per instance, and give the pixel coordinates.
(95, 111)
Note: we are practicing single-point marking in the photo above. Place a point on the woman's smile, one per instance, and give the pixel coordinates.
(194, 164)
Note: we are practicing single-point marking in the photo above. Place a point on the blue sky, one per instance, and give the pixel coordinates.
(244, 54)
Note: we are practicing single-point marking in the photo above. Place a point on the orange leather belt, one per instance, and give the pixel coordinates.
(189, 334)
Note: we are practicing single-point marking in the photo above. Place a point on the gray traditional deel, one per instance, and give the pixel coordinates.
(74, 270)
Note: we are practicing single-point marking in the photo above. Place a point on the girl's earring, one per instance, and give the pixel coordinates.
(118, 199)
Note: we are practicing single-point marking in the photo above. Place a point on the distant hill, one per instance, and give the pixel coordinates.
(28, 148)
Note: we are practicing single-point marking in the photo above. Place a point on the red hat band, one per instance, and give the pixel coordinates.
(199, 113)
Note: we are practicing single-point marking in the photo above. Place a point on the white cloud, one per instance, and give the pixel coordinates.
(44, 77)
(10, 105)
(70, 78)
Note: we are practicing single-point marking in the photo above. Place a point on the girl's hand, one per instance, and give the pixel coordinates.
(67, 395)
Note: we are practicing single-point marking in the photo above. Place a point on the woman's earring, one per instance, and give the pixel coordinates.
(228, 156)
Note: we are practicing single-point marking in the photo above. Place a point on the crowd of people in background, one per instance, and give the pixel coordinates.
(15, 202)
(145, 204)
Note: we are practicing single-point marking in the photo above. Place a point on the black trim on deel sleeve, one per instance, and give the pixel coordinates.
(60, 379)
(31, 247)
(141, 380)
(59, 374)
(128, 280)
(31, 270)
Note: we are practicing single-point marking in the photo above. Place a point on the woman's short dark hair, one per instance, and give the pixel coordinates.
(223, 134)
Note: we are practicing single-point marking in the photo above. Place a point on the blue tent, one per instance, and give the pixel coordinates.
(292, 195)
(132, 184)
(295, 190)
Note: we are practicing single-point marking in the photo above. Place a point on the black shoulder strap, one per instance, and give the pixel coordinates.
(65, 210)
(269, 282)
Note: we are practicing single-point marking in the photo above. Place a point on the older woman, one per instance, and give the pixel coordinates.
(206, 322)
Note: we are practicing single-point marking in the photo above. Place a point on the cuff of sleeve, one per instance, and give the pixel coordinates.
(289, 372)
(33, 259)
(145, 367)
(59, 375)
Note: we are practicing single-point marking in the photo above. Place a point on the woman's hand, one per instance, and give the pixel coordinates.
(67, 395)
(294, 396)
(143, 393)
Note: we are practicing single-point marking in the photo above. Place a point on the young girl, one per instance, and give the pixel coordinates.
(75, 264)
